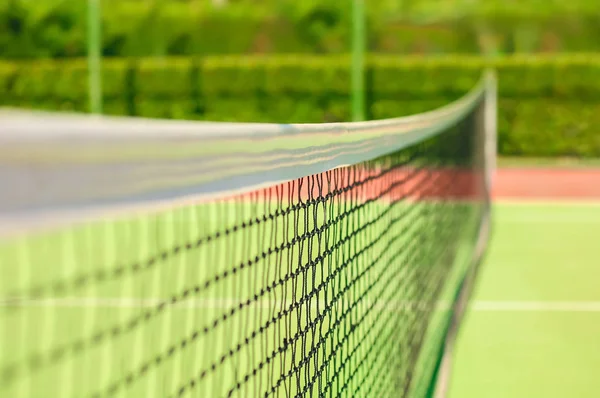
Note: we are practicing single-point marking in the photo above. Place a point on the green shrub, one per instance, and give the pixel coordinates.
(549, 127)
(548, 106)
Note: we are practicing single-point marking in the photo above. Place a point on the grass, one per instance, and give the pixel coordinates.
(541, 254)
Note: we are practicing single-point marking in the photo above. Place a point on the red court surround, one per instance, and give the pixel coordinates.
(540, 183)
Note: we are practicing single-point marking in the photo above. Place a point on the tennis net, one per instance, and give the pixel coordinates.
(168, 259)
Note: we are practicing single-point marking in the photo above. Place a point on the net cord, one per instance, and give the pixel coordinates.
(65, 169)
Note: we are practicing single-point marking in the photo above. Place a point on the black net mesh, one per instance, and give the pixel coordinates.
(323, 286)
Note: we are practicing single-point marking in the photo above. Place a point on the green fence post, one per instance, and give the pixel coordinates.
(94, 55)
(358, 60)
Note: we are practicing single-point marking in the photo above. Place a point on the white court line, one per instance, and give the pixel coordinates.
(546, 202)
(207, 303)
(535, 306)
(227, 303)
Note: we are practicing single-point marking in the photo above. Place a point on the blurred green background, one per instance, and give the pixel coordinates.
(57, 28)
(288, 61)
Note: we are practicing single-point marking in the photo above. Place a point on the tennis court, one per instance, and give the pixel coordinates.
(533, 323)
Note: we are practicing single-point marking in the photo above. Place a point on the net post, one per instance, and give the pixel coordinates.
(491, 123)
(94, 55)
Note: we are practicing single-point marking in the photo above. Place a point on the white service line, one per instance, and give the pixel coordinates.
(225, 303)
(547, 202)
(535, 306)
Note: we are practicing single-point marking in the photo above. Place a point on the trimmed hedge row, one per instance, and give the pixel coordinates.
(548, 106)
(57, 28)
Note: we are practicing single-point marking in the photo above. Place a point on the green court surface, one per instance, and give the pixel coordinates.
(533, 324)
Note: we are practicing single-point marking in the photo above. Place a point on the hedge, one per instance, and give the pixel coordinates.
(548, 106)
(57, 28)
